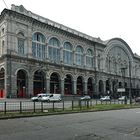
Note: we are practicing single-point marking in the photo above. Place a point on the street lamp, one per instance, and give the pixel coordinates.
(130, 95)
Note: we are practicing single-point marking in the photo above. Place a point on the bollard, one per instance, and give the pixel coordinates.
(20, 107)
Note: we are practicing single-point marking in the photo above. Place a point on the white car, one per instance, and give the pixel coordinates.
(122, 98)
(86, 97)
(105, 98)
(38, 97)
(51, 98)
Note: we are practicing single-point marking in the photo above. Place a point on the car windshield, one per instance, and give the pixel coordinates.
(47, 95)
(40, 95)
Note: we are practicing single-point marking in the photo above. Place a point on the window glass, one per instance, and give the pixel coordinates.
(67, 53)
(54, 50)
(79, 55)
(38, 46)
(89, 58)
(21, 40)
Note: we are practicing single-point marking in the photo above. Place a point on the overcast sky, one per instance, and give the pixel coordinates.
(98, 18)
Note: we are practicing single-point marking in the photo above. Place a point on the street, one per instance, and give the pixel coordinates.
(105, 125)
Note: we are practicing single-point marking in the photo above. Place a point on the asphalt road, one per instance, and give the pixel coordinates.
(106, 125)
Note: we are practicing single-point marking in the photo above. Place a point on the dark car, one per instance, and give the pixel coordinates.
(137, 99)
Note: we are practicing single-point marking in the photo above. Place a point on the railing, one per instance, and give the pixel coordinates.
(45, 107)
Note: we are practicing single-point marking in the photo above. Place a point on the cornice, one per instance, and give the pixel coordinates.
(36, 20)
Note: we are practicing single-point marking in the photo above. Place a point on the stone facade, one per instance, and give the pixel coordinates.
(40, 55)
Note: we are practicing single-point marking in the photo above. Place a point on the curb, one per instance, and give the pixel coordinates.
(59, 113)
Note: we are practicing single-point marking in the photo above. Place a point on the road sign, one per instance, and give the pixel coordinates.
(121, 90)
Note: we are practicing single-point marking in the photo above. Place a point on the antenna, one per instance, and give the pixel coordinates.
(5, 4)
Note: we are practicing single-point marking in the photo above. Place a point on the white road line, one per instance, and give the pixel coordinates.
(137, 112)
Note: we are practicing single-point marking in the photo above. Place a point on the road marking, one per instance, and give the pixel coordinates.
(137, 112)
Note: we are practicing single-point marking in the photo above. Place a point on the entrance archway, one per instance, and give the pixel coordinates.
(108, 87)
(55, 83)
(101, 87)
(21, 83)
(39, 82)
(90, 87)
(68, 85)
(80, 85)
(2, 81)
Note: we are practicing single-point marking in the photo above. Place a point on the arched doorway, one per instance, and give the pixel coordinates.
(55, 83)
(21, 83)
(114, 89)
(108, 87)
(101, 88)
(68, 85)
(80, 86)
(90, 87)
(120, 85)
(2, 81)
(39, 82)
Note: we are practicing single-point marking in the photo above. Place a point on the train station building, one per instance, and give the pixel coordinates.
(39, 55)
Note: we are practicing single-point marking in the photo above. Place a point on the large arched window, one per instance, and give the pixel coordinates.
(21, 43)
(89, 58)
(38, 45)
(54, 49)
(79, 55)
(67, 53)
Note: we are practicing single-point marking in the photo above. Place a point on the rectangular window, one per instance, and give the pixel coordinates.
(20, 46)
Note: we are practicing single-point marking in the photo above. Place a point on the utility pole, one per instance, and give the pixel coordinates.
(130, 95)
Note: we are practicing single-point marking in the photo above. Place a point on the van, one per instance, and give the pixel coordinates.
(51, 98)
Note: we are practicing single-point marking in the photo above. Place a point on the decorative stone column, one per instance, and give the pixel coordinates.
(30, 86)
(61, 54)
(29, 43)
(74, 58)
(47, 49)
(84, 59)
(48, 84)
(62, 87)
(85, 87)
(14, 86)
(8, 82)
(74, 87)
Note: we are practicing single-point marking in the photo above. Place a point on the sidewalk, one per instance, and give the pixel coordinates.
(14, 99)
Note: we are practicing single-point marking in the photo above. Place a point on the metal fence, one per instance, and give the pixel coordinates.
(33, 107)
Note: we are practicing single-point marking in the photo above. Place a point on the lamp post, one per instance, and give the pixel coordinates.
(130, 95)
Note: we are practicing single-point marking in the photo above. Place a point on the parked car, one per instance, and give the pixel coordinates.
(38, 97)
(122, 98)
(137, 99)
(51, 98)
(105, 98)
(86, 97)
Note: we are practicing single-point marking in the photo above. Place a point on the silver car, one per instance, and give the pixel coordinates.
(105, 98)
(38, 97)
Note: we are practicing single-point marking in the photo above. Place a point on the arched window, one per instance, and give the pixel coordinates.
(38, 45)
(21, 40)
(54, 49)
(67, 53)
(79, 55)
(89, 58)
